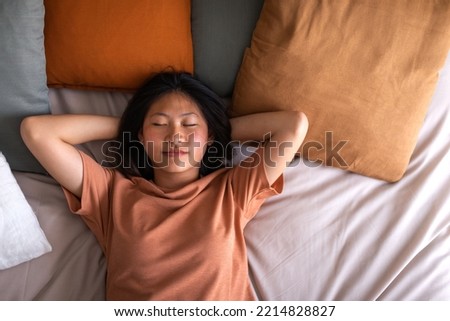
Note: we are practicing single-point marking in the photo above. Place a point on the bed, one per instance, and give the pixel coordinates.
(332, 234)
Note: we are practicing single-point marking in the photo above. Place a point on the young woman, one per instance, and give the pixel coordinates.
(170, 215)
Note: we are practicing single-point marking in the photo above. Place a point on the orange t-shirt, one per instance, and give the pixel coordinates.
(186, 244)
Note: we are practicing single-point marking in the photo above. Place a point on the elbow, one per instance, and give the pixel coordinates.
(301, 125)
(25, 128)
(303, 122)
(30, 129)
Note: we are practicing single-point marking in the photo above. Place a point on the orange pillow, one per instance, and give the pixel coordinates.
(363, 71)
(115, 44)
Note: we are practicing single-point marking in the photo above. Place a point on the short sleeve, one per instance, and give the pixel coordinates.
(250, 183)
(94, 203)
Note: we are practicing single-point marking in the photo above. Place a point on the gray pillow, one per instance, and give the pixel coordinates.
(23, 81)
(221, 30)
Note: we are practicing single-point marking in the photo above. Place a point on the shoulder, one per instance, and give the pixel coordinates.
(92, 167)
(250, 174)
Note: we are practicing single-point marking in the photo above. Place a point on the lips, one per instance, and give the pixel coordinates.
(175, 153)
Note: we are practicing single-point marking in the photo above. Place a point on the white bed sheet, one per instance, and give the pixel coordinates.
(334, 235)
(331, 235)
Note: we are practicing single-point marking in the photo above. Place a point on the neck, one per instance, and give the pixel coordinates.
(174, 181)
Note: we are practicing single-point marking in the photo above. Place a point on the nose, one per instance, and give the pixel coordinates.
(174, 136)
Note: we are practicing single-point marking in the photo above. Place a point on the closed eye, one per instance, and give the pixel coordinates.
(159, 124)
(189, 125)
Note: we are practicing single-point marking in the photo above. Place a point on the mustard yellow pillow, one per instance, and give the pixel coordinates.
(363, 71)
(115, 44)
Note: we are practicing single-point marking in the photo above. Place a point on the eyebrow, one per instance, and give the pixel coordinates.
(166, 115)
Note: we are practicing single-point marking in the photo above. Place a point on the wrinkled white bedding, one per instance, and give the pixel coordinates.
(331, 235)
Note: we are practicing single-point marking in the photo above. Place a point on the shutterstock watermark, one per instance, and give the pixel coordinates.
(330, 150)
(119, 153)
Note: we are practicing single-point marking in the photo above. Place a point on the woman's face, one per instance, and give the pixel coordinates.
(175, 134)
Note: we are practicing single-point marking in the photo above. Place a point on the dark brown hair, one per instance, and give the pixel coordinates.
(133, 160)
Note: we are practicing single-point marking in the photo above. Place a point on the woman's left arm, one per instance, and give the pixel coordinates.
(282, 133)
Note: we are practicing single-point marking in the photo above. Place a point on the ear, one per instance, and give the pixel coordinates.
(210, 140)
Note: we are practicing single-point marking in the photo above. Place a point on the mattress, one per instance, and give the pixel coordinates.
(334, 235)
(331, 234)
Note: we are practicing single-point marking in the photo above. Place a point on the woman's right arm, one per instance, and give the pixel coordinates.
(51, 139)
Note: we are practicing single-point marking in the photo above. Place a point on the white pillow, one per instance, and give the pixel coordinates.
(21, 237)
